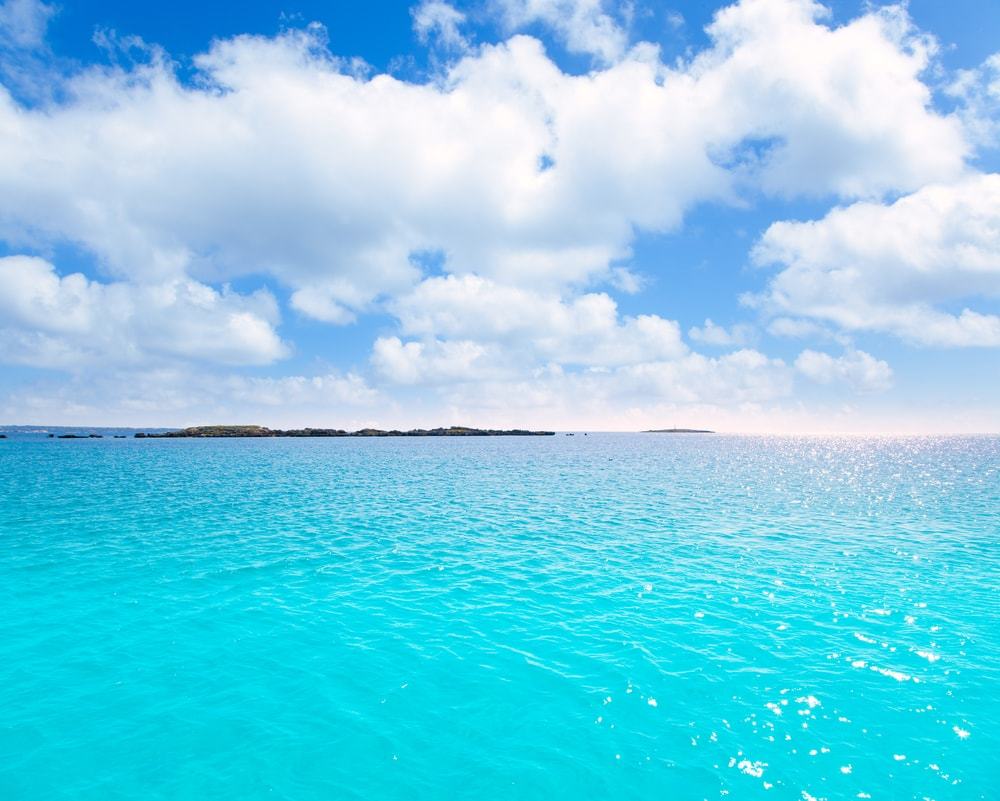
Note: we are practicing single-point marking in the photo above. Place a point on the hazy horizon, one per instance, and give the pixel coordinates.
(449, 423)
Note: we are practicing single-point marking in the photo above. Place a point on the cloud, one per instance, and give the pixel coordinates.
(547, 398)
(895, 267)
(182, 395)
(742, 376)
(322, 303)
(72, 322)
(430, 362)
(795, 328)
(860, 370)
(978, 91)
(839, 110)
(675, 20)
(583, 26)
(325, 390)
(712, 334)
(472, 338)
(518, 348)
(586, 330)
(707, 387)
(440, 21)
(280, 159)
(23, 23)
(27, 65)
(279, 163)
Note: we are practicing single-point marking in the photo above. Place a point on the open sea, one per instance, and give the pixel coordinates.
(616, 616)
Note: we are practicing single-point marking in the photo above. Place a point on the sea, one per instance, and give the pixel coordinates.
(609, 616)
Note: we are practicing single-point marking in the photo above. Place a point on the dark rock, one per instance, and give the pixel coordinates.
(261, 431)
(678, 431)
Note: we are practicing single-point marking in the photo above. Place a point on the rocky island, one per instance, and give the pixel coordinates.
(678, 431)
(262, 431)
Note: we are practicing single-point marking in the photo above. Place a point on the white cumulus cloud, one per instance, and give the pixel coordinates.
(713, 334)
(71, 321)
(895, 267)
(282, 160)
(585, 330)
(860, 370)
(431, 362)
(978, 90)
(279, 162)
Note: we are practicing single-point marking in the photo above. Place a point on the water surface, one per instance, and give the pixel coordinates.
(611, 616)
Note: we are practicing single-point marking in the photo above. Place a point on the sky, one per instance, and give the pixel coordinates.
(767, 216)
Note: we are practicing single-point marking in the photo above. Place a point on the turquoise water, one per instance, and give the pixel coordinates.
(611, 616)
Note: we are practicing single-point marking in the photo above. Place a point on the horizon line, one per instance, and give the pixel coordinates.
(715, 432)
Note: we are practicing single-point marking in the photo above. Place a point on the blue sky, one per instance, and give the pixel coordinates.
(772, 215)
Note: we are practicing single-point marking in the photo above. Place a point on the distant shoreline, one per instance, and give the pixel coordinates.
(15, 432)
(678, 431)
(221, 432)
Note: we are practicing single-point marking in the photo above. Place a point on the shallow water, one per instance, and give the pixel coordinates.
(611, 616)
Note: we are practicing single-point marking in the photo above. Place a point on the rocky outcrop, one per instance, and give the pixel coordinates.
(678, 431)
(261, 431)
(212, 431)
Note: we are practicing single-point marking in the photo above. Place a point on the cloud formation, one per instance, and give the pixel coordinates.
(279, 160)
(712, 334)
(896, 267)
(23, 23)
(586, 330)
(183, 395)
(583, 26)
(856, 368)
(279, 163)
(440, 21)
(72, 322)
